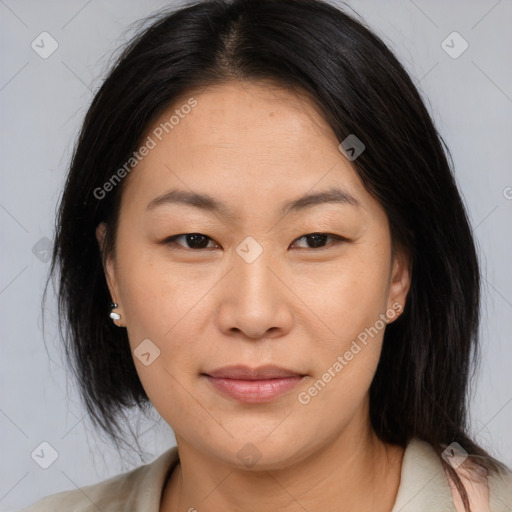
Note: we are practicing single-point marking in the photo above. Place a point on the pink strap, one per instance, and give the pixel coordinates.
(475, 482)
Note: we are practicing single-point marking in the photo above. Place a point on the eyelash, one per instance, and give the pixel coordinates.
(336, 240)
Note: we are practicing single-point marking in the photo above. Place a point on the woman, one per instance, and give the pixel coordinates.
(260, 194)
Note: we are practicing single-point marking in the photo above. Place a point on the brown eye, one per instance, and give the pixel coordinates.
(318, 240)
(194, 241)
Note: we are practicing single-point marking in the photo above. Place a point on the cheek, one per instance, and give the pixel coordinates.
(350, 296)
(169, 306)
(345, 362)
(160, 307)
(156, 296)
(350, 304)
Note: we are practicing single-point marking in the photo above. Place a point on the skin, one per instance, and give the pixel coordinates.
(255, 146)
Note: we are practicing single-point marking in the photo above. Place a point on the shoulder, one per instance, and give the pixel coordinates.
(500, 491)
(425, 485)
(138, 489)
(487, 492)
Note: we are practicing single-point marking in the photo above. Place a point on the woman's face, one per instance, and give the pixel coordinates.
(252, 288)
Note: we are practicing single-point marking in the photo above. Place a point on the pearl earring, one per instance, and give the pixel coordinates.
(113, 314)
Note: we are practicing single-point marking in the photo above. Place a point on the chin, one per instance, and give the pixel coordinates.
(260, 452)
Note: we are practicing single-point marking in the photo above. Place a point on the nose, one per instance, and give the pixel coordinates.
(255, 300)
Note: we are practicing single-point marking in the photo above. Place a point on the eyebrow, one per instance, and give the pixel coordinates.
(208, 203)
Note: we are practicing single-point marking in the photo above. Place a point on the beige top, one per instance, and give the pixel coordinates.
(424, 487)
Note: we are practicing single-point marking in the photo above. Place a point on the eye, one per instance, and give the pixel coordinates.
(317, 240)
(196, 241)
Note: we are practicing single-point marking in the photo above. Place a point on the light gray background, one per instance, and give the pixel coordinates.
(43, 102)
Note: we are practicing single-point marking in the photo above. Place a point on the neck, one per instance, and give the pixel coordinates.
(354, 472)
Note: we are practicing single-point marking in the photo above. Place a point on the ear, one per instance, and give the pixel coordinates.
(400, 283)
(108, 265)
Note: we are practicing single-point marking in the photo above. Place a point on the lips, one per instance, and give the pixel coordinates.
(253, 385)
(247, 373)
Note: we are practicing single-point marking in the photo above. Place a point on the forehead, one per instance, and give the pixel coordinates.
(252, 117)
(243, 140)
